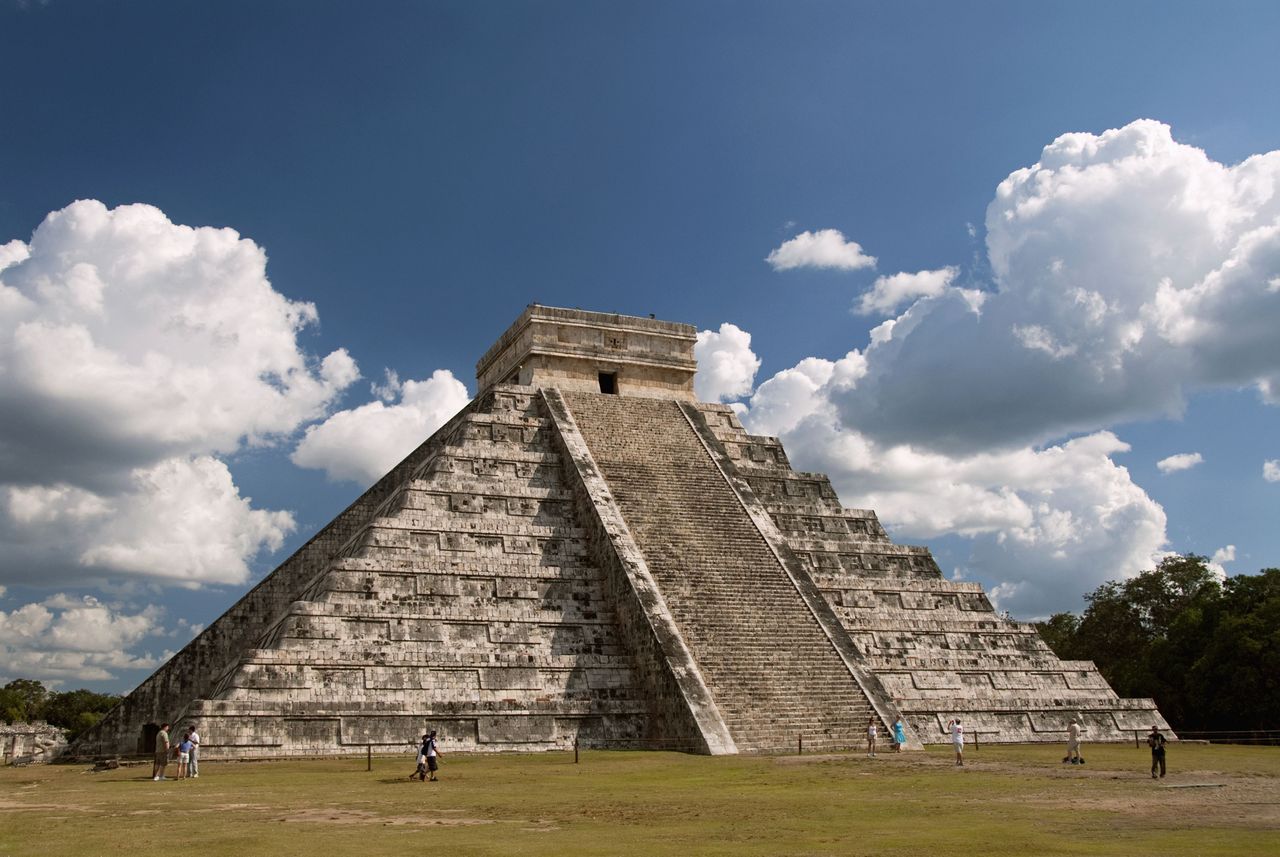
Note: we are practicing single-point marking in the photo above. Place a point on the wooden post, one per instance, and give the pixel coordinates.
(368, 757)
(975, 740)
(1135, 739)
(575, 749)
(799, 743)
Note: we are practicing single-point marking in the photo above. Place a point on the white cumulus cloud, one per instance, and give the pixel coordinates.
(826, 248)
(1130, 270)
(1181, 461)
(134, 352)
(362, 444)
(889, 293)
(1220, 557)
(75, 639)
(726, 364)
(1271, 470)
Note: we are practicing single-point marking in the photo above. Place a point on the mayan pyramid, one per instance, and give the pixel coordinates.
(587, 553)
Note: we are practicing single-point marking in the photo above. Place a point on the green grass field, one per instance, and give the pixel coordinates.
(1007, 800)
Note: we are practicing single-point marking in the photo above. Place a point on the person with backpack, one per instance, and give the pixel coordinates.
(1156, 742)
(432, 754)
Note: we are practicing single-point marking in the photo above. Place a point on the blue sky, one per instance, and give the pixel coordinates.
(418, 172)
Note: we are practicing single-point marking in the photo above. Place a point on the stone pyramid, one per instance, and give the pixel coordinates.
(587, 553)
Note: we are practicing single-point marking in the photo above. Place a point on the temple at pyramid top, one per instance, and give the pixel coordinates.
(597, 352)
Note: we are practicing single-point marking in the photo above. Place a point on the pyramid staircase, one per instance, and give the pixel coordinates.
(768, 662)
(937, 646)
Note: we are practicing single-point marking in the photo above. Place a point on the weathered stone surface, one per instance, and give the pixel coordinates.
(556, 564)
(31, 743)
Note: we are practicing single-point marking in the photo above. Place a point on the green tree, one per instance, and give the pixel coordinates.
(1059, 631)
(22, 699)
(77, 710)
(1207, 652)
(1236, 678)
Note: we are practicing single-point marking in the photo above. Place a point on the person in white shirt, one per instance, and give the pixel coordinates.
(1073, 743)
(871, 738)
(193, 766)
(957, 740)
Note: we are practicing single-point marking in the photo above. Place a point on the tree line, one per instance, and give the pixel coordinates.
(24, 700)
(1206, 650)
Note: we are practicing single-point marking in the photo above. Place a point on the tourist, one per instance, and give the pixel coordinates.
(1073, 744)
(957, 740)
(194, 737)
(1156, 742)
(421, 770)
(184, 755)
(899, 734)
(433, 754)
(871, 738)
(162, 753)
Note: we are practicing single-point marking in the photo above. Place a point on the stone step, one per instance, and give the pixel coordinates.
(761, 652)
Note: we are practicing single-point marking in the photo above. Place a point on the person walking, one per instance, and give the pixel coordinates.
(872, 732)
(899, 734)
(1156, 742)
(957, 740)
(432, 753)
(421, 770)
(1073, 756)
(193, 767)
(162, 753)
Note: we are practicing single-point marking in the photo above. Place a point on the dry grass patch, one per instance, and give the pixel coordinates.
(1007, 800)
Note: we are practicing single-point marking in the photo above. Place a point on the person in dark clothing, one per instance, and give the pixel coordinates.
(432, 753)
(1156, 742)
(421, 771)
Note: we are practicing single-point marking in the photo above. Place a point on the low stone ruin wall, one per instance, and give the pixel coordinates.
(31, 743)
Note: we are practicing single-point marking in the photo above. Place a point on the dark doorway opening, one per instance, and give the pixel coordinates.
(147, 740)
(609, 383)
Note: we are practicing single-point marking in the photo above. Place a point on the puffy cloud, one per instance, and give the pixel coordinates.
(362, 444)
(1045, 524)
(1181, 461)
(131, 338)
(81, 639)
(726, 364)
(1130, 270)
(826, 248)
(889, 293)
(180, 521)
(1271, 470)
(132, 351)
(1220, 557)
